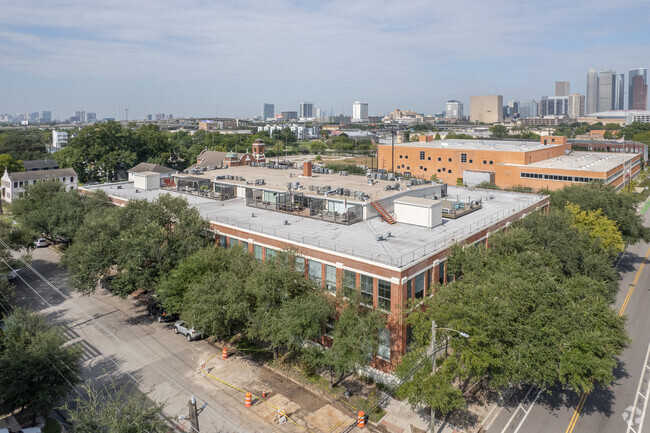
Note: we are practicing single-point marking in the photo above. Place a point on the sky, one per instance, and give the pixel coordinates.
(202, 58)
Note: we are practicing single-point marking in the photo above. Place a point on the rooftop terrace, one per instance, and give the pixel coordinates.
(277, 179)
(406, 244)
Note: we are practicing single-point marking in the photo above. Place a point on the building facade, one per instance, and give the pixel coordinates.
(528, 108)
(606, 90)
(619, 92)
(638, 89)
(360, 111)
(562, 88)
(454, 110)
(335, 235)
(546, 164)
(13, 184)
(592, 92)
(268, 111)
(576, 107)
(486, 109)
(59, 140)
(306, 110)
(554, 106)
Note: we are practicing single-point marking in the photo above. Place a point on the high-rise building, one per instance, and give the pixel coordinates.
(306, 110)
(268, 111)
(619, 92)
(360, 111)
(592, 92)
(486, 108)
(59, 140)
(606, 90)
(554, 106)
(576, 106)
(46, 116)
(528, 108)
(637, 95)
(91, 117)
(454, 110)
(289, 115)
(562, 88)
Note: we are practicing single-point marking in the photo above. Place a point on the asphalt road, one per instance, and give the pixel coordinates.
(121, 343)
(604, 410)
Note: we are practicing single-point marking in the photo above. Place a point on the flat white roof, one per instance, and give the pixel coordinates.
(406, 244)
(588, 161)
(464, 144)
(416, 201)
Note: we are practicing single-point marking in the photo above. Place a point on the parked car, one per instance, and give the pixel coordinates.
(181, 327)
(156, 310)
(10, 276)
(41, 242)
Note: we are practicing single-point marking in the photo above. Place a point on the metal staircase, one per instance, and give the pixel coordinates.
(383, 213)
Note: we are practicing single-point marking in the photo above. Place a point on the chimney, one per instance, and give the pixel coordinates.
(306, 169)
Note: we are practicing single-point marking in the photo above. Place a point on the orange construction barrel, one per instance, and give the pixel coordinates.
(361, 420)
(249, 400)
(224, 353)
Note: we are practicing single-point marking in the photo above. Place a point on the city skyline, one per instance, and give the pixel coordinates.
(224, 60)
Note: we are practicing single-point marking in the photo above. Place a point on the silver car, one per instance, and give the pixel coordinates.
(181, 327)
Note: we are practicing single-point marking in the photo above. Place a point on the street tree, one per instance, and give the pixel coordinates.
(36, 369)
(529, 321)
(620, 208)
(355, 339)
(115, 409)
(286, 309)
(599, 227)
(138, 243)
(47, 209)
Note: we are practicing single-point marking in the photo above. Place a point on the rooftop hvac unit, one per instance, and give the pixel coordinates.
(380, 238)
(339, 191)
(346, 192)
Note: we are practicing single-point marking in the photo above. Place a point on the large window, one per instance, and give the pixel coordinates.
(422, 155)
(300, 265)
(315, 272)
(349, 282)
(409, 289)
(463, 157)
(441, 272)
(330, 278)
(418, 283)
(366, 290)
(270, 254)
(257, 252)
(383, 349)
(244, 245)
(223, 241)
(383, 294)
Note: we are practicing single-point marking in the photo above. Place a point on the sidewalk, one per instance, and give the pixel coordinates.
(307, 409)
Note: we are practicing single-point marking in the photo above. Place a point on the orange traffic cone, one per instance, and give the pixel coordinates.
(249, 400)
(361, 420)
(263, 393)
(224, 353)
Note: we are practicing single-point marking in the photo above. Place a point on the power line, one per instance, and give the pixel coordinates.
(101, 327)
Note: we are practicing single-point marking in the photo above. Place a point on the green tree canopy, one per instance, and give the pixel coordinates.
(140, 243)
(620, 208)
(36, 369)
(10, 164)
(47, 209)
(115, 409)
(499, 131)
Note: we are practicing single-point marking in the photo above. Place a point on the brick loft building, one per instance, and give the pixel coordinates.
(387, 237)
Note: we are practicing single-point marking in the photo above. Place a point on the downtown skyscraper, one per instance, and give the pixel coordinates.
(592, 92)
(637, 98)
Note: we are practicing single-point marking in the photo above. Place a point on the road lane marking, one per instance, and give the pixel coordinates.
(636, 280)
(640, 398)
(526, 411)
(621, 311)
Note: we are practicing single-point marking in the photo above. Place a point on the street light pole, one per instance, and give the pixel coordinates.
(433, 361)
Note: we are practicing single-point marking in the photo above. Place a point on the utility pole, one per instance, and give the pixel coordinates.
(392, 158)
(194, 414)
(433, 362)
